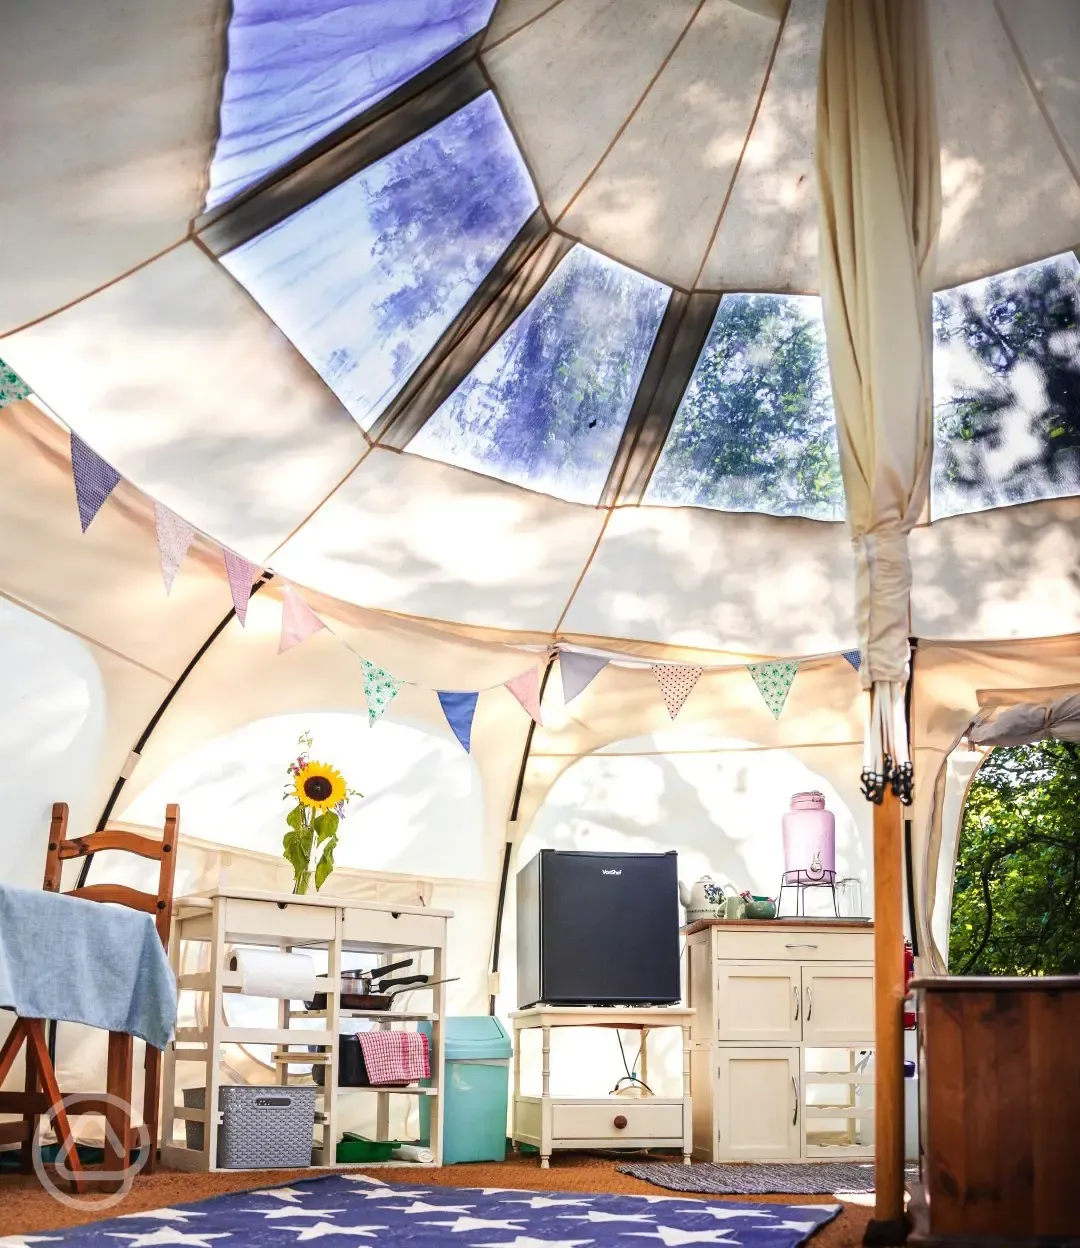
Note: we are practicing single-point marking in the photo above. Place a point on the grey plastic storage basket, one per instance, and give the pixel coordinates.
(262, 1128)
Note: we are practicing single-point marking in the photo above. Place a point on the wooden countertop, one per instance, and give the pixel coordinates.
(769, 925)
(997, 983)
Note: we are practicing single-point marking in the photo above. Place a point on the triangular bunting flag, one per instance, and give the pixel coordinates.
(12, 386)
(676, 683)
(578, 671)
(854, 658)
(298, 621)
(459, 709)
(95, 480)
(174, 536)
(774, 681)
(241, 576)
(526, 688)
(380, 689)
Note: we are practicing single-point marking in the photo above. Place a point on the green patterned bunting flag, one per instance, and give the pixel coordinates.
(380, 689)
(774, 682)
(12, 386)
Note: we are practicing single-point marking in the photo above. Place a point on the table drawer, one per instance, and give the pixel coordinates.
(596, 1120)
(781, 946)
(397, 929)
(272, 919)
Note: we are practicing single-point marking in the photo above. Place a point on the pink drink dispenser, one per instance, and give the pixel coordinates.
(809, 840)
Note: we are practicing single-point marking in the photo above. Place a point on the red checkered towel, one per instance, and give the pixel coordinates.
(398, 1057)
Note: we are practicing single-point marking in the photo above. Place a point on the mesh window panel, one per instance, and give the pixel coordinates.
(1007, 389)
(546, 406)
(299, 70)
(755, 430)
(366, 278)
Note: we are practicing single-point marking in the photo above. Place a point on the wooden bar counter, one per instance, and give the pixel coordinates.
(1000, 1112)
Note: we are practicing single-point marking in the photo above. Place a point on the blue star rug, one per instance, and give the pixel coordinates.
(349, 1211)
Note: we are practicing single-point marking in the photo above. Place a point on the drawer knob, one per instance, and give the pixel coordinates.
(619, 1122)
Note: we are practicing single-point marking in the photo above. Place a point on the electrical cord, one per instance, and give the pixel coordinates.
(630, 1077)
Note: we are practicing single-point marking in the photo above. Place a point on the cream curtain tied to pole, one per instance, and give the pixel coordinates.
(880, 210)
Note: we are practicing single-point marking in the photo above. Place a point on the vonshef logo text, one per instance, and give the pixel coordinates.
(611, 871)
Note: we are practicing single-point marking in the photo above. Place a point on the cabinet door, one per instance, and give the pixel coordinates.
(758, 1101)
(838, 1004)
(759, 1001)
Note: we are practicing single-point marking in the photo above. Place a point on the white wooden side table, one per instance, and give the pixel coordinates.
(549, 1123)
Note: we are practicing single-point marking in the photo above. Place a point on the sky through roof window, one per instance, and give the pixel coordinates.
(299, 70)
(755, 430)
(366, 278)
(546, 406)
(1007, 388)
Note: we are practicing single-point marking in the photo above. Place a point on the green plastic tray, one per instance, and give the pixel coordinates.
(357, 1150)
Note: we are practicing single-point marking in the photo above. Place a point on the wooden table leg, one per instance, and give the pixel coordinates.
(30, 1085)
(37, 1047)
(151, 1103)
(118, 1117)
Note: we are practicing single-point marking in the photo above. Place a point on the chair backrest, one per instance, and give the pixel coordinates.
(159, 904)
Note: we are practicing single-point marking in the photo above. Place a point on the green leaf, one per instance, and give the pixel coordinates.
(325, 864)
(295, 817)
(326, 825)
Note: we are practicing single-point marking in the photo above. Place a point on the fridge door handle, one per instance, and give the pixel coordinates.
(795, 989)
(809, 1003)
(795, 1089)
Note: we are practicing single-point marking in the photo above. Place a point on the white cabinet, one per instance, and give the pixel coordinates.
(758, 1001)
(838, 1005)
(757, 1096)
(783, 1020)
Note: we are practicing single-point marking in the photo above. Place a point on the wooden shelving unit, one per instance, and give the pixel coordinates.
(228, 917)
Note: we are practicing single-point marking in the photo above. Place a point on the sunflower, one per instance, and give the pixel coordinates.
(319, 786)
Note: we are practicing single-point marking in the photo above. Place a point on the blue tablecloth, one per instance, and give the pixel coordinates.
(84, 962)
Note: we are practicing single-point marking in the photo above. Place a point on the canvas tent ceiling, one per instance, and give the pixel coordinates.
(313, 283)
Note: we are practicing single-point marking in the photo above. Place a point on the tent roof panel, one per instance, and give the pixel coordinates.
(1008, 195)
(655, 199)
(1010, 572)
(178, 380)
(719, 580)
(767, 238)
(407, 534)
(571, 79)
(109, 121)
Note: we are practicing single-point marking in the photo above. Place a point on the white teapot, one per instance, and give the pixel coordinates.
(703, 900)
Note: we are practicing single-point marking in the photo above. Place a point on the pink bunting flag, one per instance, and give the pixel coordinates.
(241, 576)
(174, 537)
(676, 684)
(526, 688)
(298, 621)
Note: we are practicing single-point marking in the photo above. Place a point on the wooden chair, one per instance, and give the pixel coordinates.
(41, 1090)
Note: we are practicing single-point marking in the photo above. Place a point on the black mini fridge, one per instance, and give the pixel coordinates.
(598, 929)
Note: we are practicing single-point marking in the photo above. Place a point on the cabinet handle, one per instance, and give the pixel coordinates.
(800, 946)
(795, 1089)
(809, 1004)
(619, 1122)
(795, 989)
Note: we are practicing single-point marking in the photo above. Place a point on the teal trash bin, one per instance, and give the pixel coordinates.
(475, 1090)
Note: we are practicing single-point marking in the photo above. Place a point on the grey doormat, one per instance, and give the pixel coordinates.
(823, 1178)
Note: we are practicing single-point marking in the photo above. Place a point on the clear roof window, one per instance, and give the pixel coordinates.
(299, 70)
(546, 406)
(1007, 389)
(365, 279)
(755, 430)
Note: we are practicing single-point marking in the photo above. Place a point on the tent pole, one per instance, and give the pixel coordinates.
(889, 1225)
(508, 848)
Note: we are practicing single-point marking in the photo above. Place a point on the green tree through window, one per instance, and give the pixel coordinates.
(1016, 895)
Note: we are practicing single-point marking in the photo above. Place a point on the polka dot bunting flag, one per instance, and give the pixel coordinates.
(676, 684)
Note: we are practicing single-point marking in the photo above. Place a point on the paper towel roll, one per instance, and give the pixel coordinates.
(269, 973)
(411, 1152)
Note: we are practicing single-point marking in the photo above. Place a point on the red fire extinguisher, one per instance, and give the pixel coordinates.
(909, 975)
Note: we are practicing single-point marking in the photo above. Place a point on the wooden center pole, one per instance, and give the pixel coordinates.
(888, 1023)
